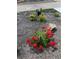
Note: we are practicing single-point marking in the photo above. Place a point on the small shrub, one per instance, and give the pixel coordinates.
(41, 40)
(56, 14)
(42, 10)
(33, 17)
(42, 18)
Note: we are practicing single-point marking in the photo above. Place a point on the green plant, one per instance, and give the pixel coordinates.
(42, 10)
(33, 17)
(56, 14)
(42, 18)
(40, 40)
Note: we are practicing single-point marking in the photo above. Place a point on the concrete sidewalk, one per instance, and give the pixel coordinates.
(28, 7)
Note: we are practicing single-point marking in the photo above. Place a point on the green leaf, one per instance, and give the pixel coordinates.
(43, 41)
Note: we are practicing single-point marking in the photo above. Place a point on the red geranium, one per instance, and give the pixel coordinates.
(28, 41)
(49, 33)
(35, 45)
(40, 47)
(34, 38)
(52, 43)
(49, 36)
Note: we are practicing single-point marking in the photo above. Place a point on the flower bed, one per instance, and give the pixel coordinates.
(42, 39)
(26, 28)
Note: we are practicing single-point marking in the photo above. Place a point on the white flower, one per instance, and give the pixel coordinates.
(52, 25)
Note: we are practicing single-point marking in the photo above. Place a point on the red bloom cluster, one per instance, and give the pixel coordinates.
(41, 47)
(34, 38)
(35, 45)
(39, 44)
(52, 43)
(28, 41)
(49, 33)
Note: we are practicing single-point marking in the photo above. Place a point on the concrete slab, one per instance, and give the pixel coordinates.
(28, 7)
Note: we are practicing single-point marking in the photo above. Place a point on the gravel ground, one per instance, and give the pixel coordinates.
(26, 28)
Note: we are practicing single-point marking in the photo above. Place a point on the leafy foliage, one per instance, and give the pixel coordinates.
(42, 18)
(33, 17)
(40, 40)
(56, 14)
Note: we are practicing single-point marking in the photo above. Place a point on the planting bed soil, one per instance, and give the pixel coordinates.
(25, 28)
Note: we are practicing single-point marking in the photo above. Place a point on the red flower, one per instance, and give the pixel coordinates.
(52, 43)
(28, 41)
(34, 38)
(49, 33)
(40, 47)
(49, 36)
(35, 45)
(49, 28)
